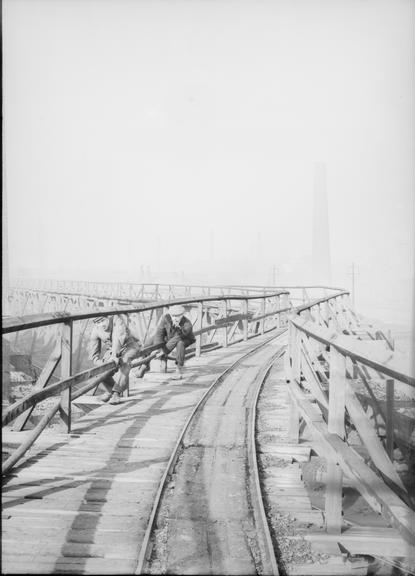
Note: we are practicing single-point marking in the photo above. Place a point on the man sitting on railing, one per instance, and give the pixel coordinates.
(111, 340)
(174, 330)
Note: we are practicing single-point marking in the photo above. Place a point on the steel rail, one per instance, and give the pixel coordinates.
(253, 466)
(15, 324)
(146, 547)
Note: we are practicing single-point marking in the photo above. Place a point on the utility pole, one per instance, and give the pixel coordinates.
(353, 273)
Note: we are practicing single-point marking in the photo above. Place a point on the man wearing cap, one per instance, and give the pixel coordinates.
(173, 331)
(111, 340)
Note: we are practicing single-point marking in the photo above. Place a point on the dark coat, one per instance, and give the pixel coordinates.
(166, 330)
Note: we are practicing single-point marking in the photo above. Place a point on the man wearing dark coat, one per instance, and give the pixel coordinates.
(174, 331)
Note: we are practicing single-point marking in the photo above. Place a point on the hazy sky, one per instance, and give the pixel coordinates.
(182, 135)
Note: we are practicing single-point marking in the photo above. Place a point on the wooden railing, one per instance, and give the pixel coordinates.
(133, 292)
(332, 377)
(230, 319)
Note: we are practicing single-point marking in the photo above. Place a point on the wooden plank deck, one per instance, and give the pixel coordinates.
(80, 503)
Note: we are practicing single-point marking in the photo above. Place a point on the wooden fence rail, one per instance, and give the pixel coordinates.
(255, 314)
(323, 365)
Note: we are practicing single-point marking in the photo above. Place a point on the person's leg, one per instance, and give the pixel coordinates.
(171, 344)
(124, 372)
(146, 366)
(108, 384)
(167, 348)
(180, 350)
(122, 384)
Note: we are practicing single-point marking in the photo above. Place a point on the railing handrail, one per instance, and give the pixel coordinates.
(16, 323)
(321, 301)
(16, 409)
(375, 365)
(15, 282)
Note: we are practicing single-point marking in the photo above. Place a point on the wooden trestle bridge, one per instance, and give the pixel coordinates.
(209, 474)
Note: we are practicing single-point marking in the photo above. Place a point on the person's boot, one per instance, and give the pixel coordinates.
(115, 398)
(178, 373)
(105, 397)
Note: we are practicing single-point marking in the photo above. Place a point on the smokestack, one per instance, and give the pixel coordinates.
(321, 237)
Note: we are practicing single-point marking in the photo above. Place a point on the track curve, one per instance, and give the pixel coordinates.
(209, 517)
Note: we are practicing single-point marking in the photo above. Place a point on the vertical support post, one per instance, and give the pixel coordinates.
(296, 353)
(199, 327)
(355, 372)
(327, 314)
(66, 370)
(225, 328)
(285, 304)
(333, 505)
(262, 314)
(390, 392)
(5, 390)
(278, 319)
(294, 423)
(245, 320)
(337, 392)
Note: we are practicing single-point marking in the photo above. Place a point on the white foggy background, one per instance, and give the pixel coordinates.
(175, 141)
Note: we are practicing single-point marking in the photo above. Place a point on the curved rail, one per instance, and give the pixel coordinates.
(145, 551)
(253, 466)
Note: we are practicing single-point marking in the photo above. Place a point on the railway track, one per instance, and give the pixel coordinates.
(208, 515)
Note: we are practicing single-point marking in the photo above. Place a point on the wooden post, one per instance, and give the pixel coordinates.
(245, 320)
(291, 343)
(390, 389)
(355, 371)
(333, 504)
(294, 423)
(225, 328)
(199, 327)
(5, 344)
(262, 314)
(296, 353)
(337, 393)
(66, 371)
(337, 396)
(278, 322)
